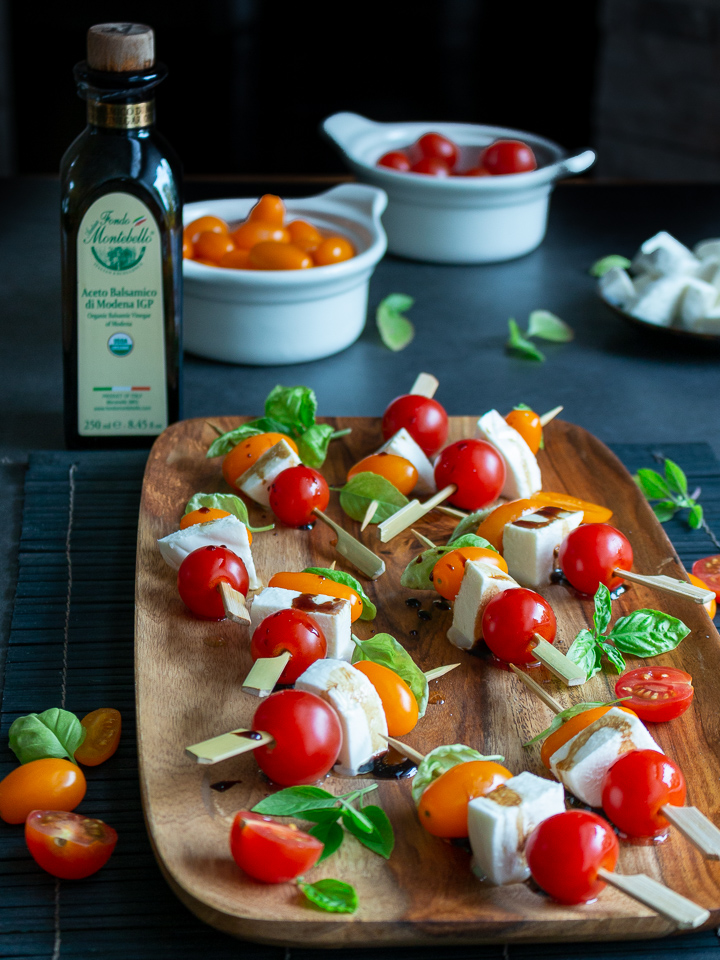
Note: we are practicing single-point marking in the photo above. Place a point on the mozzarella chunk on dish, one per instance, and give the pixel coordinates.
(659, 302)
(663, 255)
(225, 532)
(480, 583)
(359, 709)
(331, 614)
(500, 822)
(256, 481)
(582, 762)
(699, 299)
(522, 473)
(529, 544)
(616, 287)
(403, 445)
(707, 249)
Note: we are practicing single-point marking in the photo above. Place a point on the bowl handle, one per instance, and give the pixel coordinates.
(578, 163)
(368, 201)
(343, 128)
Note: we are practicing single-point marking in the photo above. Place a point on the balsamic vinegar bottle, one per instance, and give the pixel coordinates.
(121, 251)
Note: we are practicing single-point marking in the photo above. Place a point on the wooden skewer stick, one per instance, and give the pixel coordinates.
(550, 415)
(423, 539)
(557, 663)
(438, 672)
(411, 513)
(666, 584)
(369, 513)
(681, 911)
(404, 749)
(451, 511)
(229, 745)
(354, 552)
(265, 673)
(233, 603)
(425, 385)
(536, 689)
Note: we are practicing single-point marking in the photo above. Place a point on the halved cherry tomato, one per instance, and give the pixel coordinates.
(213, 246)
(290, 631)
(68, 845)
(237, 259)
(476, 469)
(268, 209)
(296, 493)
(448, 572)
(332, 250)
(269, 851)
(251, 232)
(399, 471)
(203, 225)
(424, 419)
(315, 583)
(247, 452)
(635, 789)
(395, 160)
(592, 512)
(398, 700)
(202, 515)
(508, 156)
(572, 727)
(443, 807)
(566, 851)
(511, 620)
(440, 147)
(102, 736)
(527, 423)
(304, 235)
(49, 783)
(656, 693)
(493, 526)
(711, 607)
(200, 575)
(271, 255)
(432, 166)
(590, 554)
(708, 570)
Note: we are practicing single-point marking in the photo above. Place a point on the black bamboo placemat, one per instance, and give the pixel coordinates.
(71, 645)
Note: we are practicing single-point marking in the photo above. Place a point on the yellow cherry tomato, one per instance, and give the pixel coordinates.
(102, 736)
(399, 471)
(443, 807)
(268, 209)
(271, 255)
(493, 526)
(592, 512)
(333, 250)
(188, 249)
(304, 235)
(711, 607)
(572, 727)
(202, 225)
(213, 246)
(236, 259)
(47, 784)
(527, 423)
(315, 583)
(252, 232)
(448, 572)
(244, 455)
(398, 700)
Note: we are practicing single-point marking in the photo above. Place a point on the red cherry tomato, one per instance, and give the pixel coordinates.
(433, 166)
(566, 851)
(423, 418)
(656, 693)
(435, 145)
(292, 631)
(269, 851)
(508, 156)
(296, 492)
(307, 736)
(68, 845)
(477, 470)
(510, 621)
(475, 172)
(635, 789)
(590, 553)
(708, 570)
(395, 160)
(200, 575)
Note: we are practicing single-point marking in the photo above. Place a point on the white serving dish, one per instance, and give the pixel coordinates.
(455, 219)
(272, 317)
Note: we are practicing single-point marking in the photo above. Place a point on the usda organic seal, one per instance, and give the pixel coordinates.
(120, 344)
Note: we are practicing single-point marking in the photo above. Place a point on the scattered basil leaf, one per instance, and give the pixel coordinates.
(613, 655)
(518, 344)
(395, 330)
(339, 576)
(382, 838)
(417, 575)
(385, 650)
(295, 407)
(227, 441)
(559, 719)
(603, 609)
(330, 835)
(360, 490)
(601, 267)
(470, 523)
(648, 633)
(53, 733)
(219, 501)
(672, 492)
(439, 761)
(295, 801)
(355, 820)
(313, 444)
(675, 478)
(695, 517)
(547, 326)
(334, 896)
(665, 510)
(585, 652)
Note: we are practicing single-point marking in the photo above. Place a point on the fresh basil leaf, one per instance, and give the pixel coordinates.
(603, 609)
(675, 477)
(695, 517)
(518, 344)
(360, 490)
(614, 656)
(395, 330)
(547, 326)
(334, 896)
(647, 633)
(339, 576)
(225, 443)
(219, 501)
(320, 814)
(330, 835)
(385, 650)
(470, 523)
(293, 406)
(652, 484)
(665, 510)
(313, 444)
(355, 820)
(294, 801)
(601, 267)
(417, 575)
(560, 718)
(439, 761)
(382, 838)
(585, 652)
(53, 733)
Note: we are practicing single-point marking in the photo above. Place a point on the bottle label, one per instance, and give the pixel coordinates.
(120, 329)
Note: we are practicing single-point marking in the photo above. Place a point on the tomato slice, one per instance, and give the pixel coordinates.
(269, 851)
(708, 570)
(656, 693)
(68, 845)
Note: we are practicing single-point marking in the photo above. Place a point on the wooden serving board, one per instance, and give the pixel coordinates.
(189, 675)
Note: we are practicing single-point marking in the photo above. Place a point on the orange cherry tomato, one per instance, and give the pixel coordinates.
(213, 246)
(333, 250)
(399, 471)
(314, 583)
(244, 455)
(252, 232)
(41, 784)
(102, 736)
(268, 209)
(202, 225)
(68, 845)
(236, 259)
(304, 235)
(443, 807)
(711, 607)
(493, 526)
(448, 572)
(398, 700)
(527, 423)
(592, 512)
(188, 248)
(571, 727)
(271, 255)
(202, 515)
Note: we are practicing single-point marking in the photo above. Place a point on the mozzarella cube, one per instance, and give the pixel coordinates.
(403, 445)
(480, 583)
(500, 822)
(331, 614)
(529, 544)
(707, 324)
(359, 709)
(707, 249)
(256, 481)
(522, 473)
(663, 255)
(582, 762)
(699, 299)
(659, 302)
(225, 532)
(617, 287)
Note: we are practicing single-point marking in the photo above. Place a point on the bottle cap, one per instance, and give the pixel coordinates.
(120, 47)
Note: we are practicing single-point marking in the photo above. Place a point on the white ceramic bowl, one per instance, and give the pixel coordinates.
(455, 219)
(271, 317)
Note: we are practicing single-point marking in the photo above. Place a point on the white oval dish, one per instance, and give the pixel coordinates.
(273, 317)
(455, 219)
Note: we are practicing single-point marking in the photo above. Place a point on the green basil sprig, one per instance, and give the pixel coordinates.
(560, 718)
(417, 574)
(395, 330)
(333, 896)
(52, 733)
(360, 490)
(439, 761)
(672, 493)
(385, 650)
(339, 576)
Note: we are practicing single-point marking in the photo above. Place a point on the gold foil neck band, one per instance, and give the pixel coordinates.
(122, 116)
